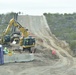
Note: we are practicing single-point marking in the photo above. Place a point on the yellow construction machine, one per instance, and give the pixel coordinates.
(26, 41)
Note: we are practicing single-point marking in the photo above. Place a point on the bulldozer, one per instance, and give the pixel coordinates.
(25, 41)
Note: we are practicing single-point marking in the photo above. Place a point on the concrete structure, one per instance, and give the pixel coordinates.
(18, 58)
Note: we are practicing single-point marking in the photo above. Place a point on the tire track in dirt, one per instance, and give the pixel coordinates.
(39, 27)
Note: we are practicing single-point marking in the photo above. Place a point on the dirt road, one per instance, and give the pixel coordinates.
(42, 65)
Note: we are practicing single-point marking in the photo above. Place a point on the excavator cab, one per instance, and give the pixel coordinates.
(29, 41)
(7, 38)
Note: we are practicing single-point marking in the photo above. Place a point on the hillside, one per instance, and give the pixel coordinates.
(63, 26)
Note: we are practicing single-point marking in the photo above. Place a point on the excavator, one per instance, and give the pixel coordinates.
(26, 41)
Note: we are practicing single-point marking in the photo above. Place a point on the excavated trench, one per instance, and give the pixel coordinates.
(43, 64)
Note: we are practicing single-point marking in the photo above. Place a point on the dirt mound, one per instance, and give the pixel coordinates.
(38, 26)
(45, 42)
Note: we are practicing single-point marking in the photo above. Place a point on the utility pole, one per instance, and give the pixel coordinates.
(15, 16)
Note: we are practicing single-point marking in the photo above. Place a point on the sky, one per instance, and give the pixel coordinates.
(38, 7)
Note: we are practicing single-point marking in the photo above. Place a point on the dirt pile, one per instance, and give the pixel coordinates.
(40, 29)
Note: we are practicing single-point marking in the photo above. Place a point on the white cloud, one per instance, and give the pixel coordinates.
(38, 6)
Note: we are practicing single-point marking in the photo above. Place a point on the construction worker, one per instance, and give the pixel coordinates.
(5, 51)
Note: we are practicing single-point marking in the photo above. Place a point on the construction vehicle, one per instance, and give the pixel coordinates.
(26, 41)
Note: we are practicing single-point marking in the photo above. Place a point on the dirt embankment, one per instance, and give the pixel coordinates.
(43, 64)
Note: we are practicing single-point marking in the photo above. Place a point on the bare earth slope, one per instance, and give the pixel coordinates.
(43, 63)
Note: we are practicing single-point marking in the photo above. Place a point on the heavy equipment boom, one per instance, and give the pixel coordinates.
(26, 41)
(16, 24)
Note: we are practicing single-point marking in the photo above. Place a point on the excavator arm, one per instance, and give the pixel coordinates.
(16, 24)
(12, 22)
